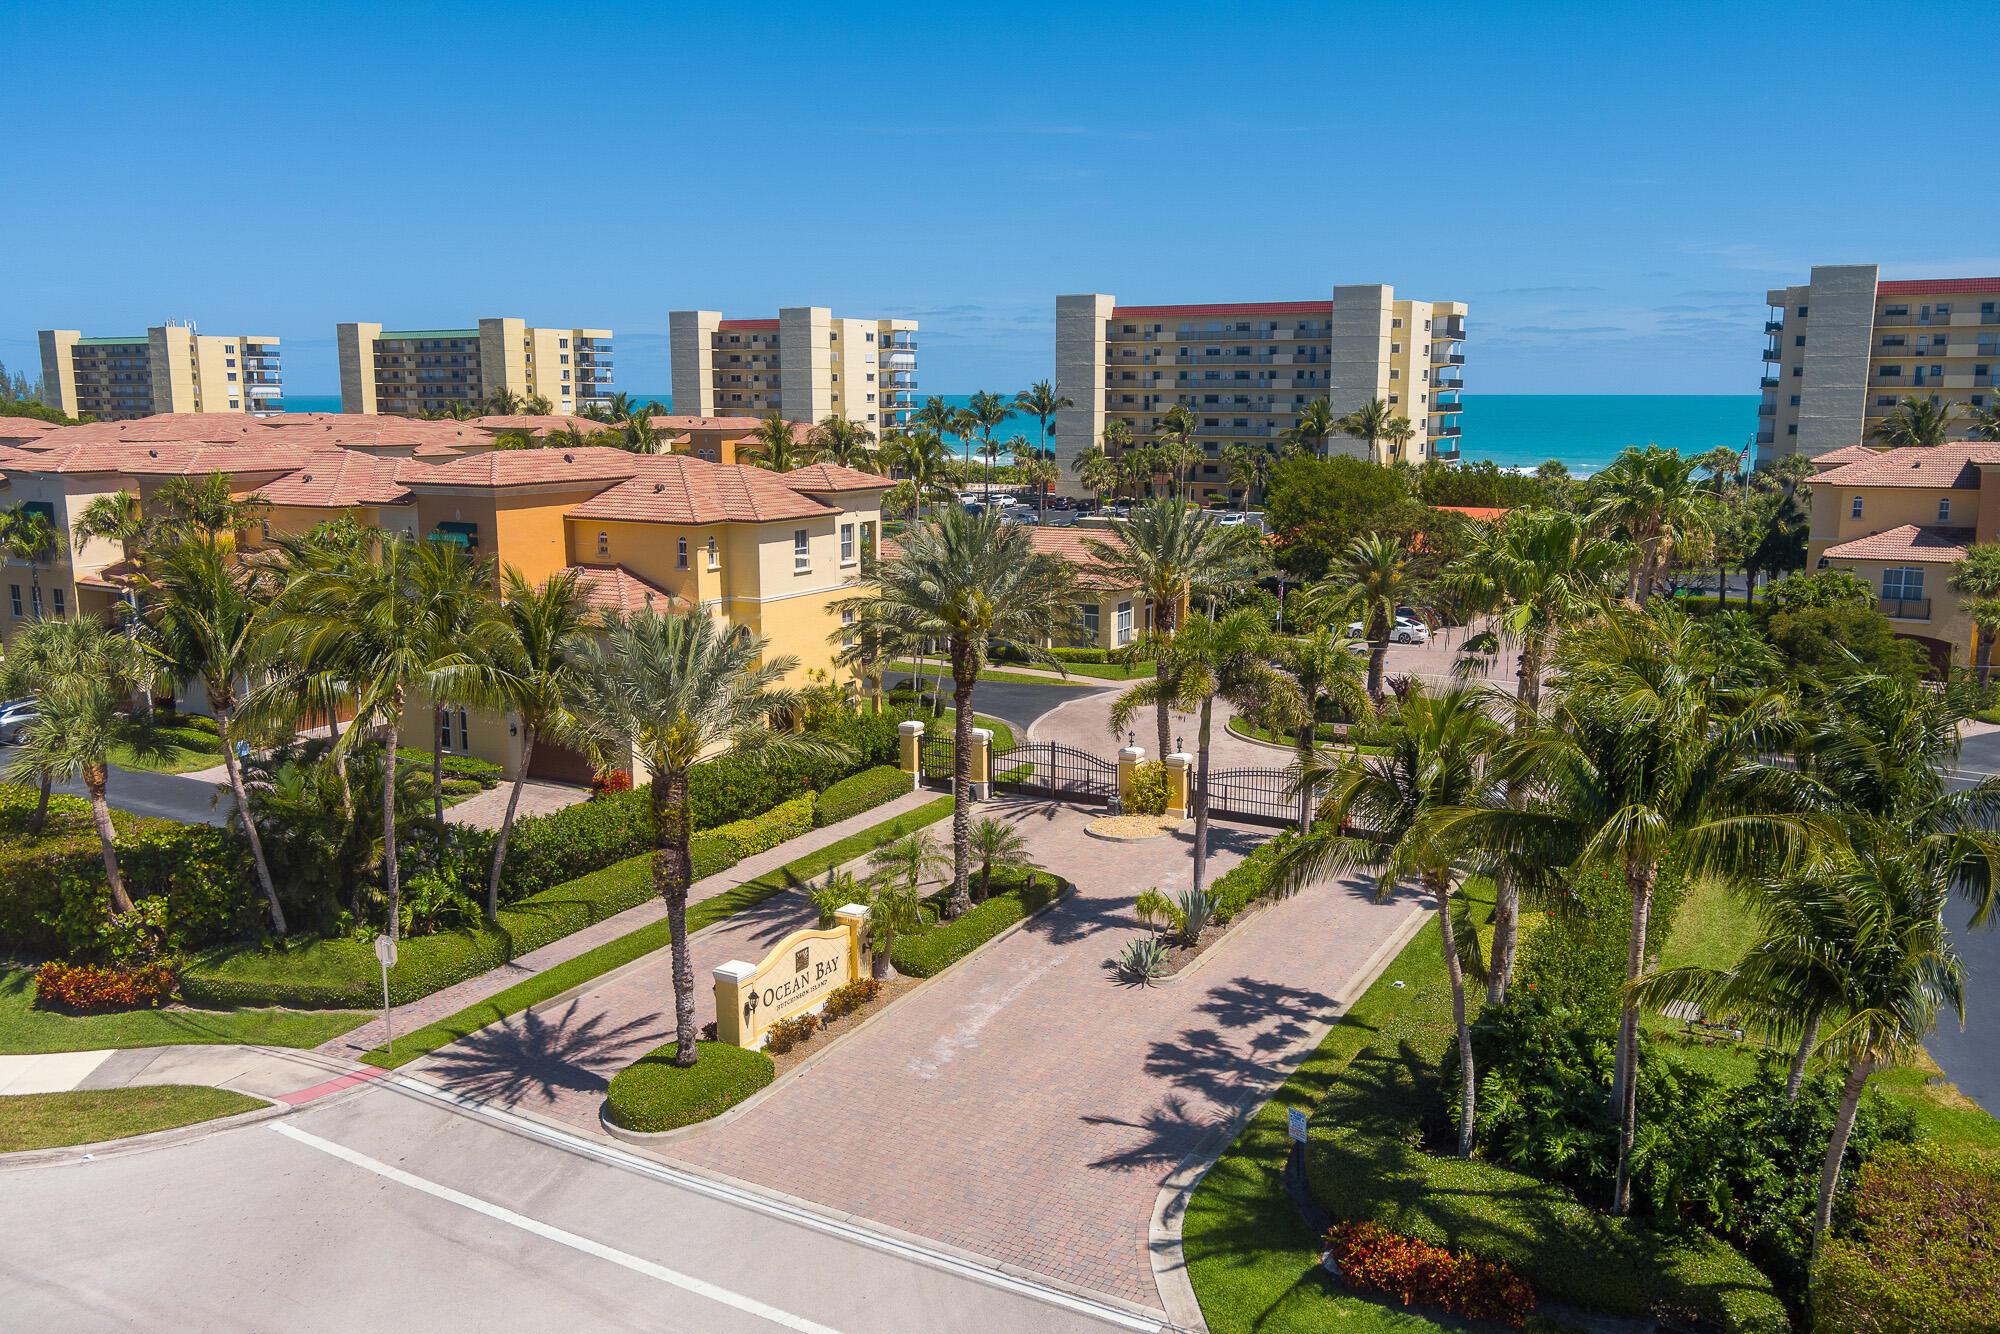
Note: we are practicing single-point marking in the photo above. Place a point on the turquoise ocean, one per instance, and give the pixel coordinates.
(1585, 431)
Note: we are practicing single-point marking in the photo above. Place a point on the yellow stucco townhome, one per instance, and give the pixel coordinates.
(1900, 519)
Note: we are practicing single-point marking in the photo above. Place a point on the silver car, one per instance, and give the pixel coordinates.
(16, 717)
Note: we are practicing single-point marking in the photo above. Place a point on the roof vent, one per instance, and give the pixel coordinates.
(152, 453)
(305, 477)
(569, 458)
(659, 487)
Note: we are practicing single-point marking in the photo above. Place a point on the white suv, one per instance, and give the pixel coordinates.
(1405, 630)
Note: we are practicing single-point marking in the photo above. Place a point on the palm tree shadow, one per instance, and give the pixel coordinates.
(537, 1058)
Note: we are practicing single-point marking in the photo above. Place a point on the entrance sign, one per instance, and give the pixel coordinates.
(795, 977)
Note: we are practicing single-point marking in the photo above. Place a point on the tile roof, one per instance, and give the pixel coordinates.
(140, 459)
(1483, 513)
(584, 467)
(678, 488)
(816, 478)
(16, 429)
(538, 423)
(1909, 542)
(1915, 286)
(1067, 544)
(1947, 465)
(340, 480)
(615, 588)
(1833, 458)
(117, 576)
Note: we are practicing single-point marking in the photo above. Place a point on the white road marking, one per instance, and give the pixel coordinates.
(686, 1282)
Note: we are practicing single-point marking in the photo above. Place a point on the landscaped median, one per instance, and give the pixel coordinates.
(90, 1116)
(653, 1095)
(26, 1029)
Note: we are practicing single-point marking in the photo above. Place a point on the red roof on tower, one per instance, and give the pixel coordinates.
(1914, 286)
(1223, 308)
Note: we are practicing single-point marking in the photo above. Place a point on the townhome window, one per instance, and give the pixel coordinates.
(1124, 623)
(1902, 583)
(1944, 509)
(680, 553)
(57, 595)
(464, 745)
(14, 596)
(604, 544)
(847, 544)
(801, 551)
(35, 601)
(1090, 623)
(714, 555)
(1854, 508)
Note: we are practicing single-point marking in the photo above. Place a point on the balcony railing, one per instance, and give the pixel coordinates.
(1452, 328)
(1904, 609)
(1767, 409)
(1774, 354)
(1774, 326)
(1767, 437)
(1768, 382)
(1452, 359)
(1451, 382)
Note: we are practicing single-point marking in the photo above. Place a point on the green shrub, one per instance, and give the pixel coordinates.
(653, 1094)
(860, 792)
(1574, 957)
(761, 833)
(1150, 788)
(1247, 881)
(937, 947)
(848, 997)
(1920, 1251)
(464, 768)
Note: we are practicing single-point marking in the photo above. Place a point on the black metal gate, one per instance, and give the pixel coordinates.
(1044, 768)
(934, 755)
(1261, 795)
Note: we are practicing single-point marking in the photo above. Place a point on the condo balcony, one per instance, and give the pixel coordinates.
(1449, 328)
(1450, 359)
(1448, 382)
(1774, 354)
(1904, 609)
(1774, 326)
(1768, 382)
(1767, 409)
(1767, 437)
(1445, 433)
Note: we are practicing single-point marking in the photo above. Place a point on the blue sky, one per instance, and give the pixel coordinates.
(1612, 189)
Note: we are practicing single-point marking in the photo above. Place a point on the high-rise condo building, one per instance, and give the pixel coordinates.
(409, 371)
(1846, 348)
(1245, 369)
(170, 368)
(807, 364)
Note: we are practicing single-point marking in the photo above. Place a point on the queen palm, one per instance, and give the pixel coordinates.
(1985, 421)
(1315, 424)
(1435, 763)
(896, 903)
(1922, 422)
(847, 443)
(968, 581)
(775, 445)
(1177, 449)
(1248, 469)
(1041, 401)
(1368, 423)
(1372, 580)
(1323, 669)
(1652, 497)
(541, 644)
(30, 536)
(1537, 572)
(668, 690)
(1976, 577)
(1170, 551)
(207, 622)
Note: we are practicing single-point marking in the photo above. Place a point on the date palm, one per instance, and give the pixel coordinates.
(1438, 748)
(1171, 552)
(775, 445)
(668, 690)
(1652, 497)
(847, 443)
(1919, 422)
(968, 582)
(1315, 424)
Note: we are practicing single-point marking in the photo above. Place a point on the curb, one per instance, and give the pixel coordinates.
(1162, 832)
(156, 1139)
(1163, 1236)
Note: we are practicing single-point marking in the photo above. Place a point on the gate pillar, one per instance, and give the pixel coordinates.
(982, 763)
(910, 750)
(1178, 786)
(1129, 760)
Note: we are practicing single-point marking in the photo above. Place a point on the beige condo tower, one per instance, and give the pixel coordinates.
(404, 372)
(169, 368)
(807, 364)
(1247, 368)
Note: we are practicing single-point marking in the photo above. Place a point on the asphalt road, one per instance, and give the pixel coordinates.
(381, 1209)
(169, 796)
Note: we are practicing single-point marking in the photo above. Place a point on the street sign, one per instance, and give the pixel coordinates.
(385, 951)
(1296, 1124)
(385, 954)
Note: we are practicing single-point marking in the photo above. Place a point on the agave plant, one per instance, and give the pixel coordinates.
(1195, 908)
(1142, 962)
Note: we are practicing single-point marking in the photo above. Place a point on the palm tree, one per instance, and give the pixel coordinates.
(1369, 423)
(1647, 752)
(503, 403)
(1372, 581)
(995, 843)
(985, 413)
(968, 581)
(775, 445)
(843, 442)
(1097, 471)
(87, 671)
(1916, 422)
(1228, 658)
(30, 536)
(204, 508)
(922, 458)
(1398, 433)
(1248, 469)
(989, 453)
(537, 405)
(1976, 577)
(455, 595)
(1436, 763)
(1116, 443)
(1323, 669)
(1041, 401)
(669, 690)
(1316, 422)
(637, 432)
(1170, 551)
(1652, 497)
(896, 903)
(540, 651)
(207, 621)
(114, 517)
(1986, 420)
(1177, 447)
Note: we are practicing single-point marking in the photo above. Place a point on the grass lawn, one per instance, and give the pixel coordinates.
(1254, 1265)
(1712, 928)
(86, 1116)
(173, 744)
(990, 674)
(1327, 733)
(636, 944)
(25, 1030)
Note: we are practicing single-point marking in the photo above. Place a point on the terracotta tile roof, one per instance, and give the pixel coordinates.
(1066, 543)
(1223, 309)
(1916, 286)
(584, 467)
(1833, 458)
(15, 430)
(1909, 542)
(538, 423)
(1483, 513)
(340, 480)
(677, 422)
(1947, 465)
(116, 576)
(819, 478)
(199, 460)
(615, 588)
(677, 488)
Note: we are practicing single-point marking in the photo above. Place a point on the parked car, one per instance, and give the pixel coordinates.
(16, 717)
(1406, 630)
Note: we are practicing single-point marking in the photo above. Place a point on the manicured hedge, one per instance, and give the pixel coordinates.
(860, 792)
(1363, 1163)
(760, 833)
(653, 1094)
(1248, 880)
(1920, 1251)
(1093, 655)
(931, 951)
(465, 767)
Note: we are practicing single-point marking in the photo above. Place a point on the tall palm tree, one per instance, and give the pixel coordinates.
(1041, 401)
(206, 621)
(1647, 752)
(1537, 572)
(455, 595)
(87, 672)
(669, 690)
(1248, 470)
(114, 517)
(30, 536)
(503, 402)
(1651, 495)
(1372, 580)
(1976, 577)
(1436, 762)
(537, 405)
(986, 413)
(1323, 669)
(1368, 423)
(541, 646)
(921, 457)
(1985, 420)
(1920, 422)
(1177, 447)
(1116, 443)
(775, 445)
(1171, 552)
(1316, 422)
(1399, 433)
(968, 581)
(1040, 472)
(1098, 472)
(846, 443)
(1228, 658)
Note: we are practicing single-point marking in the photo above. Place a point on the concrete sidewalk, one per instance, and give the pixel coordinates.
(452, 999)
(264, 1072)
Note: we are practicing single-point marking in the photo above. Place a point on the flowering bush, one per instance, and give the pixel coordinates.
(845, 1000)
(611, 780)
(87, 987)
(1414, 1272)
(788, 1033)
